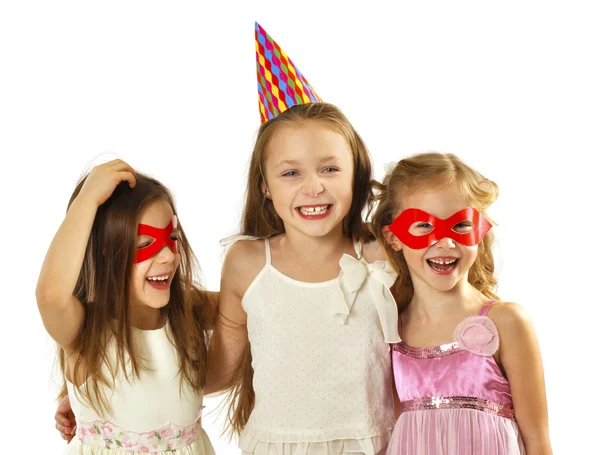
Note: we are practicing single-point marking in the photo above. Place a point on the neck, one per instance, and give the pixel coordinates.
(431, 305)
(311, 248)
(146, 318)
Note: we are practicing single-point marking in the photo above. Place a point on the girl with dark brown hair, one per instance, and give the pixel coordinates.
(305, 315)
(117, 293)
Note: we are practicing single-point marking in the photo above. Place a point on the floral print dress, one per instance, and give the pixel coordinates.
(153, 413)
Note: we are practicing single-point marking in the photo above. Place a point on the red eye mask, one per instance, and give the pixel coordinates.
(162, 238)
(476, 224)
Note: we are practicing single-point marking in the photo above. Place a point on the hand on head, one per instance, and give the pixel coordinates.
(104, 178)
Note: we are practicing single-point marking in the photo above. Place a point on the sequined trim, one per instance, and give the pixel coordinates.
(111, 436)
(458, 403)
(427, 353)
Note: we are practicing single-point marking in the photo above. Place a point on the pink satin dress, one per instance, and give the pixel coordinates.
(454, 398)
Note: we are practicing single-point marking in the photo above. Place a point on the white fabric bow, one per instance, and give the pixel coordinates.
(352, 277)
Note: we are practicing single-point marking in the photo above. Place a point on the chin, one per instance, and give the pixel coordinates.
(319, 232)
(161, 305)
(447, 288)
(157, 304)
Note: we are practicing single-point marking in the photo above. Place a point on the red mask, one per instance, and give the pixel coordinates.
(467, 227)
(162, 238)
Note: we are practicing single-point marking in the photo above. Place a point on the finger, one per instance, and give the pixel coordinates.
(64, 422)
(127, 177)
(62, 419)
(120, 165)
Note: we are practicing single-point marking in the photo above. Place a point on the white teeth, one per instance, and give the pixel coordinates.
(314, 210)
(446, 262)
(158, 278)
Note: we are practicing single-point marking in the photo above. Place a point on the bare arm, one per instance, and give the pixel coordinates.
(61, 311)
(230, 336)
(521, 359)
(213, 299)
(206, 308)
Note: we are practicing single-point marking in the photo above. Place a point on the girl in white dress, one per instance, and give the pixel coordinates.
(116, 293)
(305, 314)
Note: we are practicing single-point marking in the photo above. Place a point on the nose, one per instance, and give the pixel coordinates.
(312, 186)
(445, 244)
(165, 256)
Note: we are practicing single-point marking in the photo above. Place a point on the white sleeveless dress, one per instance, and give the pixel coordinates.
(321, 360)
(150, 414)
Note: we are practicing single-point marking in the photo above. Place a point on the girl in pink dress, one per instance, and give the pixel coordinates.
(468, 370)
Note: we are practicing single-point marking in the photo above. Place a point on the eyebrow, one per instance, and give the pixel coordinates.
(295, 162)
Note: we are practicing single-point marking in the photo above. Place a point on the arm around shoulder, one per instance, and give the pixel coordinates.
(230, 336)
(521, 359)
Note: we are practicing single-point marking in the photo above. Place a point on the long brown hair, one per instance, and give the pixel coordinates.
(427, 169)
(261, 220)
(103, 288)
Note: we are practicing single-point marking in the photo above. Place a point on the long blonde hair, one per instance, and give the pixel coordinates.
(261, 220)
(432, 169)
(103, 289)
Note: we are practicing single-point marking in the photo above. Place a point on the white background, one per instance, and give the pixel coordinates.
(512, 88)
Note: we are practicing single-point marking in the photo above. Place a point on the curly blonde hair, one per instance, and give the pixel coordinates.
(433, 169)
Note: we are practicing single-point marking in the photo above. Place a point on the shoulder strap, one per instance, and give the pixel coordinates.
(486, 307)
(229, 241)
(358, 247)
(268, 251)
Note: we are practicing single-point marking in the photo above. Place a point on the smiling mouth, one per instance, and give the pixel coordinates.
(160, 282)
(442, 265)
(314, 210)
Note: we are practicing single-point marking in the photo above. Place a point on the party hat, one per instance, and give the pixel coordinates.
(280, 83)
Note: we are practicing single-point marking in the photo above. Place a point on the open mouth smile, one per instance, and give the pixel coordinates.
(159, 282)
(442, 266)
(314, 212)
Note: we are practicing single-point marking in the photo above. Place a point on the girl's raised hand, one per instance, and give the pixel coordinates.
(104, 178)
(63, 314)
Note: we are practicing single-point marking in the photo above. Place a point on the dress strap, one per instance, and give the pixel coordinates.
(232, 239)
(358, 247)
(268, 251)
(486, 307)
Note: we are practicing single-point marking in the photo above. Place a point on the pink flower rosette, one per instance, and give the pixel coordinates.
(477, 334)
